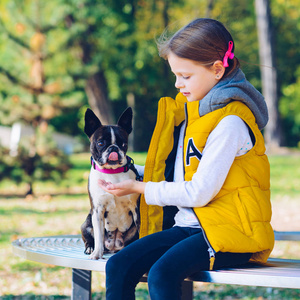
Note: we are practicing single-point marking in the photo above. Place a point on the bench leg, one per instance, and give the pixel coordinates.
(81, 284)
(187, 290)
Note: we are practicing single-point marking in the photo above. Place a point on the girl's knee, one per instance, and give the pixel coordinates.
(158, 278)
(162, 285)
(113, 264)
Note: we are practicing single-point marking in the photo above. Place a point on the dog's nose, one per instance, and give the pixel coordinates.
(113, 149)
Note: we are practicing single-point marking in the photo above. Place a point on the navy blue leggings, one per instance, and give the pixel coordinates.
(169, 256)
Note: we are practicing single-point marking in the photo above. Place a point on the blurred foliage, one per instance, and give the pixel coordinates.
(41, 71)
(286, 19)
(76, 39)
(290, 111)
(31, 167)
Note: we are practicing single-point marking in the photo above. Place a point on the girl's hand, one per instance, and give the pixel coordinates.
(123, 188)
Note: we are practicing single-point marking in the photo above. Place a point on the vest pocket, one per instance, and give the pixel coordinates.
(242, 212)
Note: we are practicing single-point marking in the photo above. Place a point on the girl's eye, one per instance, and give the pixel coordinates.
(100, 143)
(185, 77)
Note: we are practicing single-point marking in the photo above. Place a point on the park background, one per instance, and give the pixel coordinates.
(59, 57)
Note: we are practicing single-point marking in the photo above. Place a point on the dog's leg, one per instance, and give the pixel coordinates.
(135, 217)
(134, 212)
(98, 226)
(131, 235)
(88, 234)
(119, 242)
(110, 240)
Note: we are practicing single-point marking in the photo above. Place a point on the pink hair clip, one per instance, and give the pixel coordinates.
(228, 54)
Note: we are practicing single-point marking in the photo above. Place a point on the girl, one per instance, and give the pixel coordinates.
(206, 194)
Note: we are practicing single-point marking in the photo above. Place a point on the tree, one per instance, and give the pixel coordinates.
(286, 20)
(269, 74)
(104, 54)
(33, 88)
(94, 40)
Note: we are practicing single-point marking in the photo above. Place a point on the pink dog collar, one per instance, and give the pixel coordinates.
(129, 166)
(110, 171)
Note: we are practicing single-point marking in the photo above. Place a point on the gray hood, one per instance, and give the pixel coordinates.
(236, 87)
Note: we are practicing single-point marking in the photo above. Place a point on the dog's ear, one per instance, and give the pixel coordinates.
(92, 123)
(125, 121)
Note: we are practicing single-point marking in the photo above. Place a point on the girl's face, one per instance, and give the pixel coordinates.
(192, 79)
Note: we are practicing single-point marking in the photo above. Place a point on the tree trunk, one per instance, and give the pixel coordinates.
(131, 103)
(209, 7)
(96, 90)
(166, 19)
(272, 131)
(96, 86)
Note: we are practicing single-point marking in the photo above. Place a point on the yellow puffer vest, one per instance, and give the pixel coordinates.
(238, 218)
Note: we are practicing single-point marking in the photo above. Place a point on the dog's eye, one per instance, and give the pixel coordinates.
(124, 145)
(100, 143)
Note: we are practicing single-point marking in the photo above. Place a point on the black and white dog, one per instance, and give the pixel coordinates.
(113, 222)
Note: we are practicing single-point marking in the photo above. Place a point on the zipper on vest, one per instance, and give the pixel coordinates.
(212, 258)
(210, 250)
(184, 133)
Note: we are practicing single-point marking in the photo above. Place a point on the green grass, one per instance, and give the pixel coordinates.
(74, 183)
(61, 209)
(55, 209)
(285, 176)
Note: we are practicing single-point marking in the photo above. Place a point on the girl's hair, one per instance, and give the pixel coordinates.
(203, 40)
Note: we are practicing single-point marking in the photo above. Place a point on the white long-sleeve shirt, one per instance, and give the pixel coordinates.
(229, 139)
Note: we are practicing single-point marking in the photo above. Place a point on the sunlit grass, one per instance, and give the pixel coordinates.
(61, 208)
(285, 176)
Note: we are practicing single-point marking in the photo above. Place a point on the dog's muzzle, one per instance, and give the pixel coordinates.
(114, 156)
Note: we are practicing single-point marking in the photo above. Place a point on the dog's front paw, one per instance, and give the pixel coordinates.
(96, 255)
(88, 250)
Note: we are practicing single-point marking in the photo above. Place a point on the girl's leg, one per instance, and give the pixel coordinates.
(182, 260)
(125, 268)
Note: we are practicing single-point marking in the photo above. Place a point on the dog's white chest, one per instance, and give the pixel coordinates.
(118, 211)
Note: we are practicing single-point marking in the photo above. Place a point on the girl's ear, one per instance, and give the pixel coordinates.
(218, 69)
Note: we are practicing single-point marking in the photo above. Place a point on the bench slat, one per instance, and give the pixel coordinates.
(276, 273)
(67, 251)
(287, 235)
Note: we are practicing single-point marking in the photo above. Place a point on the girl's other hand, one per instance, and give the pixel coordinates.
(122, 188)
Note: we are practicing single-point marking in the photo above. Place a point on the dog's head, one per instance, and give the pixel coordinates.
(109, 143)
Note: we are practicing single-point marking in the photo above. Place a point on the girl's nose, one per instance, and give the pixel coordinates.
(178, 83)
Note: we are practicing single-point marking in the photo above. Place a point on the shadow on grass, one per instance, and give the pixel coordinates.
(37, 212)
(8, 196)
(95, 296)
(215, 292)
(141, 294)
(35, 297)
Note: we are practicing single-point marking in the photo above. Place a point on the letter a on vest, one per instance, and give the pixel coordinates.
(192, 151)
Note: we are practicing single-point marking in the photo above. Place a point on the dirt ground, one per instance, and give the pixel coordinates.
(286, 217)
(286, 214)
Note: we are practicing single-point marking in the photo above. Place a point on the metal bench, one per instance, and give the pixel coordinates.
(67, 251)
